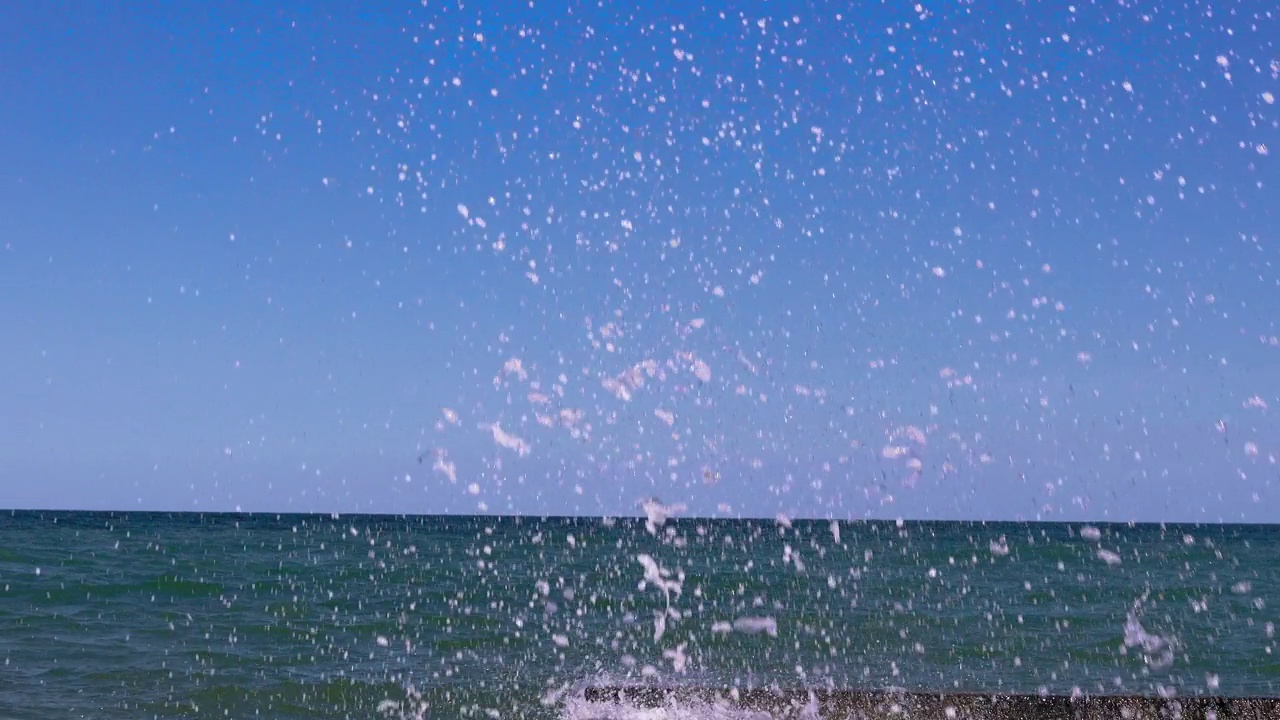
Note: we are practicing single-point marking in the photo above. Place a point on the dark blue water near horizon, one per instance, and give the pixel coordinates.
(134, 615)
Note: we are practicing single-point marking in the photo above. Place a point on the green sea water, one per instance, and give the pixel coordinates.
(138, 615)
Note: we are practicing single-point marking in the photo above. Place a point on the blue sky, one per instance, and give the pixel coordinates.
(947, 261)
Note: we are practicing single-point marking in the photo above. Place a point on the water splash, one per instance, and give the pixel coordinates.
(1157, 651)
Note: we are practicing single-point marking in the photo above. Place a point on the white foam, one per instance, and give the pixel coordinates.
(755, 625)
(702, 370)
(506, 439)
(675, 705)
(1157, 651)
(659, 576)
(579, 708)
(679, 660)
(656, 513)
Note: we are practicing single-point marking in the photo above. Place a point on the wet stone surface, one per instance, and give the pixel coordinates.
(876, 704)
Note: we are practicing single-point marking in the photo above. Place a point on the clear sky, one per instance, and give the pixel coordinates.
(940, 260)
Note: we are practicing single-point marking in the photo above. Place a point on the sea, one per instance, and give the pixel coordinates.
(183, 615)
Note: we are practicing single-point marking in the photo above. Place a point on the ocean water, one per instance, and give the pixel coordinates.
(137, 615)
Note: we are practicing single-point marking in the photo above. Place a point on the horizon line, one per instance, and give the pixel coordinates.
(778, 519)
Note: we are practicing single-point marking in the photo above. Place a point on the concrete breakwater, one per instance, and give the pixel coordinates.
(903, 705)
